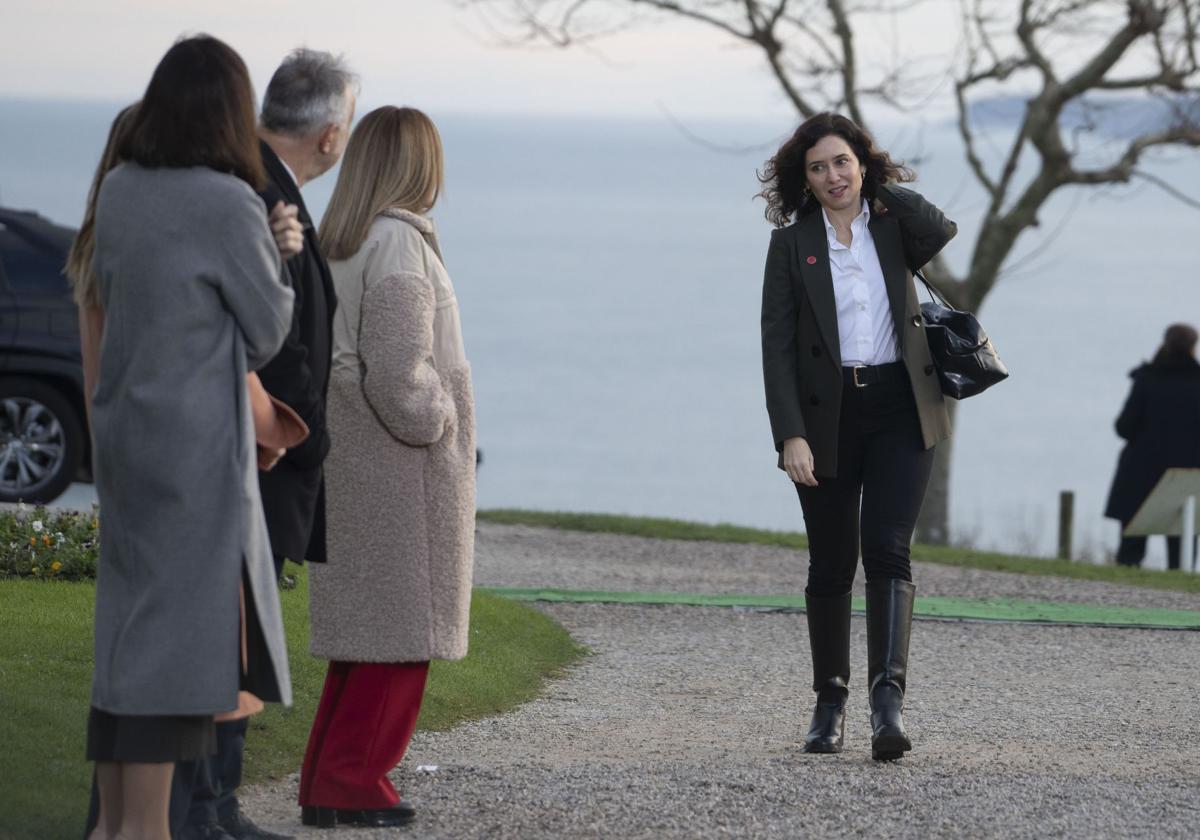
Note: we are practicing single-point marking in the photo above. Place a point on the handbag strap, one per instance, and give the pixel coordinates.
(933, 292)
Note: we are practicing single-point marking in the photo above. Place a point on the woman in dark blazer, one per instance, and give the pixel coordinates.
(853, 398)
(1161, 424)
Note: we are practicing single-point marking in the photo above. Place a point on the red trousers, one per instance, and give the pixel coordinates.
(364, 722)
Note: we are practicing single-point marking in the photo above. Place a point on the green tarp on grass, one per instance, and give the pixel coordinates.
(970, 609)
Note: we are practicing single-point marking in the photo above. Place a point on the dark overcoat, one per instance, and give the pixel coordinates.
(802, 362)
(292, 493)
(1161, 422)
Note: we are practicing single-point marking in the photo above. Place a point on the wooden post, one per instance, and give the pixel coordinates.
(1066, 523)
(1187, 559)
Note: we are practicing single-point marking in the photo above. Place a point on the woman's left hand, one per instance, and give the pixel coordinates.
(798, 461)
(287, 230)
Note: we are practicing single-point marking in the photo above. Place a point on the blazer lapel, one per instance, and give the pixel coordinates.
(282, 179)
(812, 251)
(886, 232)
(326, 277)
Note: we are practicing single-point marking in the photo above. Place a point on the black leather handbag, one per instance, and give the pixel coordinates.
(963, 354)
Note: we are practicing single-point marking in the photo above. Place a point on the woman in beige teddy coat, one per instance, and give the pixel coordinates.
(399, 478)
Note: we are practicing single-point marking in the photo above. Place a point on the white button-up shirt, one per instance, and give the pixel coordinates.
(289, 171)
(865, 329)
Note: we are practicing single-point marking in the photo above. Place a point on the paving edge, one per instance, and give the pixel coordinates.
(932, 607)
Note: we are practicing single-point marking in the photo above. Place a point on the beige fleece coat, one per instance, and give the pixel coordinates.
(400, 476)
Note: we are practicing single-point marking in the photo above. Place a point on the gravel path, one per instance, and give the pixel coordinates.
(685, 721)
(510, 555)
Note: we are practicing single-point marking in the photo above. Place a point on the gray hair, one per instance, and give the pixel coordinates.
(310, 90)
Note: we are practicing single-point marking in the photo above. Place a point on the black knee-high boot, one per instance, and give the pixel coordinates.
(889, 619)
(829, 637)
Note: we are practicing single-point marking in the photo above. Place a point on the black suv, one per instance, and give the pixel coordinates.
(43, 427)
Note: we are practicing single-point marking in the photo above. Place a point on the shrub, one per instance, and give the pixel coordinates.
(49, 544)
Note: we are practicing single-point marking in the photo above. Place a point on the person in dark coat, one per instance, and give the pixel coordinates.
(1161, 426)
(304, 127)
(854, 405)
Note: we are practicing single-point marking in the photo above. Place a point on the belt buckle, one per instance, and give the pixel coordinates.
(856, 369)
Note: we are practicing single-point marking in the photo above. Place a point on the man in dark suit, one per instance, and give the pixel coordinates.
(304, 127)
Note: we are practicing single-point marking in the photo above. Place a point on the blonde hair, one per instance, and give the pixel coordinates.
(79, 260)
(393, 160)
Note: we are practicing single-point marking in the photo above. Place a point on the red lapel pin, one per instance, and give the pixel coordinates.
(812, 260)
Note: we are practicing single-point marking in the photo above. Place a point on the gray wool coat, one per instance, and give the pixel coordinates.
(400, 474)
(189, 278)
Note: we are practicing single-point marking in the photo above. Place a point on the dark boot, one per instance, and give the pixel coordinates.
(889, 619)
(829, 637)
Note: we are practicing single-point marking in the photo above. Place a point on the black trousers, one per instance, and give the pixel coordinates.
(211, 784)
(212, 792)
(1132, 550)
(882, 472)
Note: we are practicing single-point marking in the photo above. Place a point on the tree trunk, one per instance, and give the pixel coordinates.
(933, 525)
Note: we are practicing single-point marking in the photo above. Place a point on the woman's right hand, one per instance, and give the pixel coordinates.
(798, 461)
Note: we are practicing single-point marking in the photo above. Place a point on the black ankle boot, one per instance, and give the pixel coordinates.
(829, 638)
(323, 817)
(889, 619)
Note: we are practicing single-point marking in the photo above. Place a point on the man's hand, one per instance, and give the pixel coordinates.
(798, 461)
(268, 458)
(287, 230)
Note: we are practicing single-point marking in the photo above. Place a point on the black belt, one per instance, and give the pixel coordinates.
(860, 376)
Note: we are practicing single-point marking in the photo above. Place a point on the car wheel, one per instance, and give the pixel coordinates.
(41, 441)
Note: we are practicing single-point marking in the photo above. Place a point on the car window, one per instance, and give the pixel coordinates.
(28, 267)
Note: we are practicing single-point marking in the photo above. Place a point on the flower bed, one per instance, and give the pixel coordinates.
(48, 544)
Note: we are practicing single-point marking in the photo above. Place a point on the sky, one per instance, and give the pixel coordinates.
(436, 54)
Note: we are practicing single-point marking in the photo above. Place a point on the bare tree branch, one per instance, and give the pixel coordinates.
(1025, 32)
(1169, 78)
(841, 25)
(1189, 31)
(697, 15)
(816, 37)
(1123, 169)
(724, 148)
(1144, 17)
(973, 159)
(1167, 187)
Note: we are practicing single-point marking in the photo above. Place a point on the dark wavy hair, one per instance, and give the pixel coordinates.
(198, 111)
(785, 185)
(1179, 340)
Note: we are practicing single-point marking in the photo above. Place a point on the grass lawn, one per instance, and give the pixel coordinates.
(675, 529)
(45, 682)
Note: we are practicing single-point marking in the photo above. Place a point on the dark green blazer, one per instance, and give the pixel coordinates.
(802, 364)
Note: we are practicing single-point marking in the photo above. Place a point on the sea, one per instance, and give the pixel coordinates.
(609, 274)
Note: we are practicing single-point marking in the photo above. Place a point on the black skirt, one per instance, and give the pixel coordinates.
(149, 739)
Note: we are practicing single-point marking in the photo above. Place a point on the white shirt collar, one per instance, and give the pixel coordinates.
(859, 223)
(289, 172)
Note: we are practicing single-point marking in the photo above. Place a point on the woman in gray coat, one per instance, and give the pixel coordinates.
(189, 281)
(399, 479)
